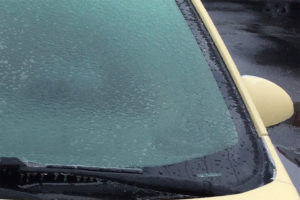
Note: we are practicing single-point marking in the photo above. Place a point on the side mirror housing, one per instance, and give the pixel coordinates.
(272, 102)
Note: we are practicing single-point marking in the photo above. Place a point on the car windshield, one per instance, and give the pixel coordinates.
(106, 83)
(114, 83)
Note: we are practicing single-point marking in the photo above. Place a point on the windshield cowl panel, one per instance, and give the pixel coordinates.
(16, 174)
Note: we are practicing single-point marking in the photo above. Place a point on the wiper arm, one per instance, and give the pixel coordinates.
(129, 176)
(11, 162)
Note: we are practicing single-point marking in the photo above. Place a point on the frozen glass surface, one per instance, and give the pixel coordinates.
(107, 83)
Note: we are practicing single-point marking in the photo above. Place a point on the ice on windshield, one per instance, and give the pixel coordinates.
(106, 83)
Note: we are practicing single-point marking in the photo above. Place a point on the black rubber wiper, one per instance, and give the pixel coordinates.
(129, 176)
(12, 162)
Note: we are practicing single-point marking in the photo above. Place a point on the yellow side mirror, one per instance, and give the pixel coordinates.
(272, 102)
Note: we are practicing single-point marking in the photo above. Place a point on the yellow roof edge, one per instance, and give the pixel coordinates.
(258, 123)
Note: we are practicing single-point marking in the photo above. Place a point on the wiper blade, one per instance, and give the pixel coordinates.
(11, 162)
(129, 176)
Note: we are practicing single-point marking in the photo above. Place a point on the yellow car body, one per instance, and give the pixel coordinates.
(281, 187)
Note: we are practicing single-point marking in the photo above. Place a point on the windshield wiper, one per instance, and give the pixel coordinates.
(12, 162)
(9, 167)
